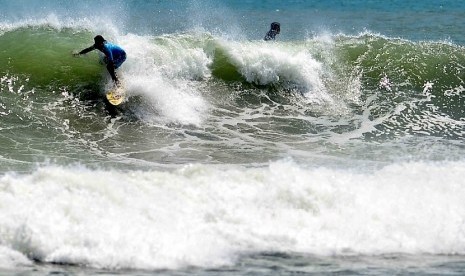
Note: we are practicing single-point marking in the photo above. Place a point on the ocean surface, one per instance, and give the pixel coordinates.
(338, 148)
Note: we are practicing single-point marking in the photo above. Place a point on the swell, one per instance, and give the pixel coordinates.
(415, 87)
(401, 87)
(44, 53)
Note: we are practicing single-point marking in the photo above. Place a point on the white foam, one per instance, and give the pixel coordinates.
(269, 63)
(10, 258)
(165, 75)
(204, 215)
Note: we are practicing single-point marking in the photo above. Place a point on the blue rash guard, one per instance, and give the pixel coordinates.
(114, 54)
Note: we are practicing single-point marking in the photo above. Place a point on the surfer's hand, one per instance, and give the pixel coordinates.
(76, 54)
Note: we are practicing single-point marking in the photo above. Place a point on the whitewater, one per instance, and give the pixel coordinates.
(337, 148)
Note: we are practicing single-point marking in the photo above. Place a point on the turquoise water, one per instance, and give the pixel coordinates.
(337, 148)
(425, 20)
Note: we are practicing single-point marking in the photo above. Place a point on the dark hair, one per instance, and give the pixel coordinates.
(99, 39)
(275, 26)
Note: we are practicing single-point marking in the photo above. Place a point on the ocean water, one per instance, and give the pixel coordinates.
(336, 149)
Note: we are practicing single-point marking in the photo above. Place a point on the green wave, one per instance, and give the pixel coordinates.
(422, 72)
(405, 61)
(420, 75)
(222, 67)
(44, 56)
(43, 85)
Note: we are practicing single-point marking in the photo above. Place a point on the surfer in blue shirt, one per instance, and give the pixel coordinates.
(114, 55)
(274, 30)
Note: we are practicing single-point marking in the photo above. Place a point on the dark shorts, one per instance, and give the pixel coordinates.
(117, 62)
(120, 61)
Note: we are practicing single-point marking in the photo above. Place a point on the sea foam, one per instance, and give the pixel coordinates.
(205, 215)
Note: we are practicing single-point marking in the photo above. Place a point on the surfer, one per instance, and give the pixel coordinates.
(274, 30)
(114, 55)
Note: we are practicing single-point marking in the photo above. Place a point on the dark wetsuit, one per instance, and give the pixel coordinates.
(274, 30)
(270, 35)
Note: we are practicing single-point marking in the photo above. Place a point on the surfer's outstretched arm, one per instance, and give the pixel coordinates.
(86, 50)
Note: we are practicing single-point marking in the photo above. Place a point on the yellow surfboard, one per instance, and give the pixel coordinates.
(116, 95)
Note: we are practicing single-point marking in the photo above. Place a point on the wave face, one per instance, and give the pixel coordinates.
(364, 88)
(331, 141)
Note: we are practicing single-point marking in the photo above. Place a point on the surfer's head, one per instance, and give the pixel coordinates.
(99, 40)
(275, 26)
